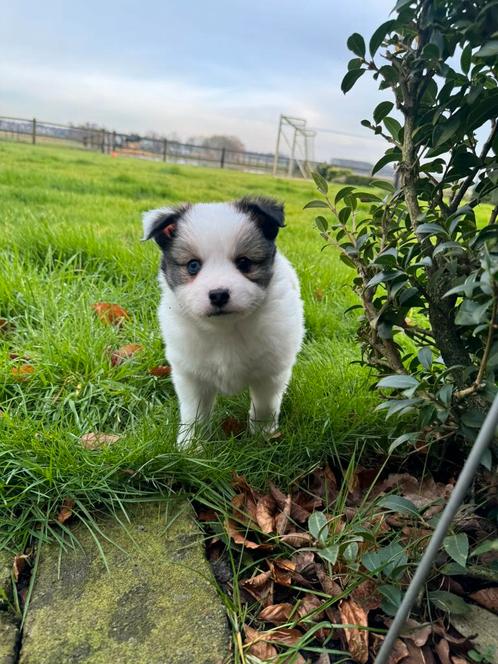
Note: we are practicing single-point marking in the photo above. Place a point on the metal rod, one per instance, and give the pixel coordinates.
(469, 469)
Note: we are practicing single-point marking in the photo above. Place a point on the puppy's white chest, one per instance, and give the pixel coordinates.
(227, 362)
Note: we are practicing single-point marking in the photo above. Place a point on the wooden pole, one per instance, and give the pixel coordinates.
(33, 132)
(165, 149)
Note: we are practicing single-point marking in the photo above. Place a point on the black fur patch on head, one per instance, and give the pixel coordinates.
(163, 229)
(267, 213)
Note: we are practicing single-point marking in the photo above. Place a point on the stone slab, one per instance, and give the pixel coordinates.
(9, 635)
(155, 604)
(482, 625)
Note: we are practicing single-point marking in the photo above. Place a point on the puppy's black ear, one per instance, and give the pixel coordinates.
(161, 224)
(266, 212)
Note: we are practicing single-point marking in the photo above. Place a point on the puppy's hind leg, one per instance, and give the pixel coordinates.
(196, 399)
(266, 399)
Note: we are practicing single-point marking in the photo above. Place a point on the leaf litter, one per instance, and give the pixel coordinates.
(307, 585)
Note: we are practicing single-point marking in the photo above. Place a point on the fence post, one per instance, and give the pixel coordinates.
(222, 160)
(113, 141)
(165, 149)
(33, 132)
(102, 145)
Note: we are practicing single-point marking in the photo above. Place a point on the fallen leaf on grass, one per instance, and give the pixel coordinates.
(297, 540)
(265, 509)
(443, 651)
(398, 653)
(258, 647)
(160, 371)
(487, 597)
(331, 587)
(278, 614)
(111, 314)
(22, 372)
(239, 538)
(367, 595)
(244, 509)
(418, 655)
(66, 511)
(6, 326)
(19, 564)
(282, 519)
(356, 639)
(121, 354)
(260, 587)
(304, 561)
(282, 570)
(286, 636)
(319, 294)
(231, 426)
(414, 631)
(309, 607)
(296, 511)
(93, 441)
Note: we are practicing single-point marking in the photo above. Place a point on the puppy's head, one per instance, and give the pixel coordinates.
(217, 258)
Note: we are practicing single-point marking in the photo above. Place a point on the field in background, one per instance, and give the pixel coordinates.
(70, 238)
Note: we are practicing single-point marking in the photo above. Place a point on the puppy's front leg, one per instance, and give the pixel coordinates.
(266, 399)
(196, 399)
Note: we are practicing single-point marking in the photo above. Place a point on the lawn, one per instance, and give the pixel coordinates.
(70, 237)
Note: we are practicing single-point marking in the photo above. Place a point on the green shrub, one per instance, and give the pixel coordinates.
(425, 256)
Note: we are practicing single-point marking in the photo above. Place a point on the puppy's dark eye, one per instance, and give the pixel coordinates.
(194, 266)
(243, 263)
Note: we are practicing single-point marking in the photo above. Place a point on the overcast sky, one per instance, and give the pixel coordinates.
(191, 68)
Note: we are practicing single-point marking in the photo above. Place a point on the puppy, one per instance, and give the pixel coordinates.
(231, 314)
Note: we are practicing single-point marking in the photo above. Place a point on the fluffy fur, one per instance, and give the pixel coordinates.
(237, 322)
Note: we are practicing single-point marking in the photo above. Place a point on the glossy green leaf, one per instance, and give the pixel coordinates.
(356, 43)
(398, 382)
(350, 79)
(317, 525)
(379, 35)
(381, 110)
(457, 547)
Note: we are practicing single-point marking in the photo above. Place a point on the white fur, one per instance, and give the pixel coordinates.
(254, 347)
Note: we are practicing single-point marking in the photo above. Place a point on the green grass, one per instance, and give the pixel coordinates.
(70, 237)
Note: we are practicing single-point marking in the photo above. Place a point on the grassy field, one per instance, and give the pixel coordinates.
(70, 237)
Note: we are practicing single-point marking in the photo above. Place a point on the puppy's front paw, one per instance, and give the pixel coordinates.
(266, 428)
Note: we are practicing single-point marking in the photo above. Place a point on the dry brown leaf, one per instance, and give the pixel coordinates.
(19, 564)
(487, 597)
(282, 519)
(329, 586)
(66, 511)
(356, 639)
(93, 441)
(443, 651)
(459, 660)
(417, 632)
(265, 509)
(310, 604)
(367, 595)
(258, 647)
(232, 530)
(111, 314)
(6, 326)
(297, 512)
(22, 372)
(297, 540)
(398, 652)
(282, 570)
(278, 614)
(121, 354)
(284, 635)
(260, 587)
(244, 509)
(160, 371)
(323, 659)
(304, 561)
(324, 485)
(231, 426)
(319, 294)
(416, 655)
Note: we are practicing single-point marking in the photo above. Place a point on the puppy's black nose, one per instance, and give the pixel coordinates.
(219, 297)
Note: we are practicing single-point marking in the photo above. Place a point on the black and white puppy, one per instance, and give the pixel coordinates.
(231, 314)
